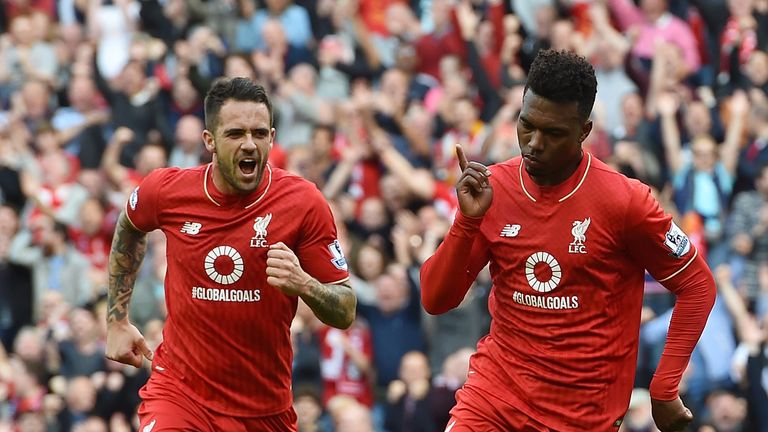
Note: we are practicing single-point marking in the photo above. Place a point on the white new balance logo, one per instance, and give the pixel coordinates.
(510, 230)
(191, 228)
(149, 427)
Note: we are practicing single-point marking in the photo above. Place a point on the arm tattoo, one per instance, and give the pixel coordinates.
(128, 248)
(332, 304)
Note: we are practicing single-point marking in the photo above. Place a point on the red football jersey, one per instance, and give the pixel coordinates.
(227, 336)
(568, 264)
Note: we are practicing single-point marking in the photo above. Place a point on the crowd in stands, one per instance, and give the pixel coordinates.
(371, 97)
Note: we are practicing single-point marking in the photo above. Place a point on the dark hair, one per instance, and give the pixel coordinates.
(563, 76)
(306, 390)
(324, 127)
(61, 229)
(240, 89)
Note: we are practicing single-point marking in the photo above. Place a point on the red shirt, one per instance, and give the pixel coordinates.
(568, 264)
(340, 374)
(226, 338)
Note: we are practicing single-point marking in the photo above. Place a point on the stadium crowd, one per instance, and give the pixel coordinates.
(371, 97)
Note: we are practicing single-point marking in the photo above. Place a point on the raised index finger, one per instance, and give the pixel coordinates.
(462, 157)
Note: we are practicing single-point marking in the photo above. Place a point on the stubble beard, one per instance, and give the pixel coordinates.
(230, 176)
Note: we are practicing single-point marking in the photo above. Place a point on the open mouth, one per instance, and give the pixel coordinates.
(247, 166)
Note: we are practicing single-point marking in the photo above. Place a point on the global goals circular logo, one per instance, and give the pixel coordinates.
(543, 272)
(224, 265)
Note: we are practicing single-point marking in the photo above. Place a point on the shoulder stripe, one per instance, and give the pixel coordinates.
(695, 253)
(336, 282)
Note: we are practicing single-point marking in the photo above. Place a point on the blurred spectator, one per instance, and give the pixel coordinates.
(117, 392)
(745, 32)
(80, 402)
(441, 40)
(293, 19)
(112, 24)
(610, 48)
(25, 57)
(748, 233)
(305, 337)
(55, 264)
(368, 262)
(148, 302)
(82, 353)
(188, 146)
(27, 392)
(135, 106)
(703, 184)
(309, 410)
(93, 236)
(396, 316)
(651, 23)
(442, 396)
(15, 283)
(407, 403)
(80, 124)
(300, 107)
(727, 412)
(354, 418)
(124, 178)
(726, 409)
(346, 362)
(755, 154)
(638, 417)
(91, 424)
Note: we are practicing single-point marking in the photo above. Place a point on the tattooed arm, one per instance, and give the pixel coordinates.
(128, 248)
(125, 343)
(334, 304)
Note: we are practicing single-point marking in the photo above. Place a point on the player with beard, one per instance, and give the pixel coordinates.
(568, 240)
(245, 241)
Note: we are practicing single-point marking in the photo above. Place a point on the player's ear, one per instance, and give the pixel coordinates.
(586, 128)
(272, 134)
(210, 144)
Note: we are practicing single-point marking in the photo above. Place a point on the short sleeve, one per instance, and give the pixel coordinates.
(142, 206)
(653, 238)
(319, 250)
